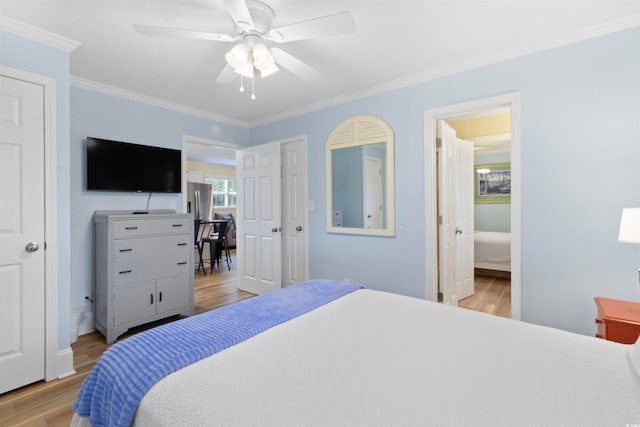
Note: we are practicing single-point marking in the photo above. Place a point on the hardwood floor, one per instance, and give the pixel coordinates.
(48, 404)
(492, 295)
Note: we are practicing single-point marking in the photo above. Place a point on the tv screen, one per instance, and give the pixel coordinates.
(122, 166)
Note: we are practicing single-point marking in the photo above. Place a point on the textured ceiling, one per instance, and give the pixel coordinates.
(395, 41)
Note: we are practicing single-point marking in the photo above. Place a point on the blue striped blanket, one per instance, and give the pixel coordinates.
(111, 393)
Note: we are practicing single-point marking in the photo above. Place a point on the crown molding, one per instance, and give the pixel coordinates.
(438, 72)
(24, 30)
(149, 100)
(36, 34)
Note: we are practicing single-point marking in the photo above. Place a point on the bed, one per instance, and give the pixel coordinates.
(368, 358)
(492, 250)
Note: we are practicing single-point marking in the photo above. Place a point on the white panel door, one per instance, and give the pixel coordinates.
(455, 204)
(373, 192)
(446, 214)
(294, 194)
(464, 219)
(22, 212)
(258, 241)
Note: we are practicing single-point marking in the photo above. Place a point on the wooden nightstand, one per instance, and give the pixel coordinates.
(618, 320)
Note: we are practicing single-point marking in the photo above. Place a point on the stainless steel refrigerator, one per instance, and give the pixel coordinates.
(200, 200)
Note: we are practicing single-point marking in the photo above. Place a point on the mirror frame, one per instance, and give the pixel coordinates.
(358, 131)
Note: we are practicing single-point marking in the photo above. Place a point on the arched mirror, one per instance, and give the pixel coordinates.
(360, 184)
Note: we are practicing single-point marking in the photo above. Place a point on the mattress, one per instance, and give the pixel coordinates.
(372, 358)
(492, 250)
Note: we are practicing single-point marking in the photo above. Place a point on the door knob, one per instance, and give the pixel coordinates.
(299, 228)
(458, 230)
(276, 229)
(31, 247)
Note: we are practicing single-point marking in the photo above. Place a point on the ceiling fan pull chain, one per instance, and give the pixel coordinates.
(241, 84)
(253, 87)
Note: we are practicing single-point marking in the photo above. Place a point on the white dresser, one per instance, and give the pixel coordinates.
(143, 268)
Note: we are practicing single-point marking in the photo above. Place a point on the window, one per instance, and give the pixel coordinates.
(224, 191)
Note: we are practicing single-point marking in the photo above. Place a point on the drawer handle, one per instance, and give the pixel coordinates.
(126, 271)
(160, 297)
(599, 336)
(598, 321)
(177, 225)
(182, 263)
(151, 295)
(131, 228)
(126, 250)
(182, 244)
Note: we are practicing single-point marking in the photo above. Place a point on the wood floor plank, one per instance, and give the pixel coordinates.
(491, 295)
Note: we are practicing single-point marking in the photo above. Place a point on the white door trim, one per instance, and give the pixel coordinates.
(431, 237)
(52, 368)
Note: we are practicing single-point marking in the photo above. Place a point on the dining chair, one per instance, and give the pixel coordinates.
(203, 231)
(218, 245)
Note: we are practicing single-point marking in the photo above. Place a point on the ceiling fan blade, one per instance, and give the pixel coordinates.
(339, 23)
(227, 75)
(294, 65)
(239, 13)
(177, 32)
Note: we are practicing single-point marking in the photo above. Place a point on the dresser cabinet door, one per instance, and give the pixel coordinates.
(134, 302)
(173, 292)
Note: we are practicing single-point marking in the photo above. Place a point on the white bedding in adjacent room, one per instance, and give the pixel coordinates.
(372, 358)
(492, 250)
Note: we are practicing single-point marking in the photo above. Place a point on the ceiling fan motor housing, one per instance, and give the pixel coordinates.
(262, 16)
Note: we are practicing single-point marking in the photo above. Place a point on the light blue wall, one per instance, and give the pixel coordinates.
(580, 151)
(17, 52)
(580, 109)
(490, 216)
(104, 116)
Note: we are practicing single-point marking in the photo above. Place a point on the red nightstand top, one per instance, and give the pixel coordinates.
(619, 309)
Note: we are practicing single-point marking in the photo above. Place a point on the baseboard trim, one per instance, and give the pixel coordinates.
(65, 363)
(492, 273)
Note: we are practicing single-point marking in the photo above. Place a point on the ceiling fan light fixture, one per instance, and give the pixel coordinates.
(246, 70)
(238, 56)
(262, 58)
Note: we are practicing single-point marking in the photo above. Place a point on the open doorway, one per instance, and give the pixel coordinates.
(505, 182)
(489, 132)
(210, 162)
(209, 193)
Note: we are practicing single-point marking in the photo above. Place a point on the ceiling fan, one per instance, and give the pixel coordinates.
(253, 20)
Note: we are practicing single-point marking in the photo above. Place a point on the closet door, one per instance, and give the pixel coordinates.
(22, 232)
(294, 212)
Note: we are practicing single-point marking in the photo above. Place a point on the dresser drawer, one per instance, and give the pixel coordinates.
(136, 228)
(618, 320)
(183, 245)
(125, 250)
(622, 332)
(125, 273)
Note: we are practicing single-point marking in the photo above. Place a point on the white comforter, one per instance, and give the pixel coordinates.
(492, 250)
(372, 358)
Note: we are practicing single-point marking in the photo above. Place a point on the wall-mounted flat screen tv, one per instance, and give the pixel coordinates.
(122, 166)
